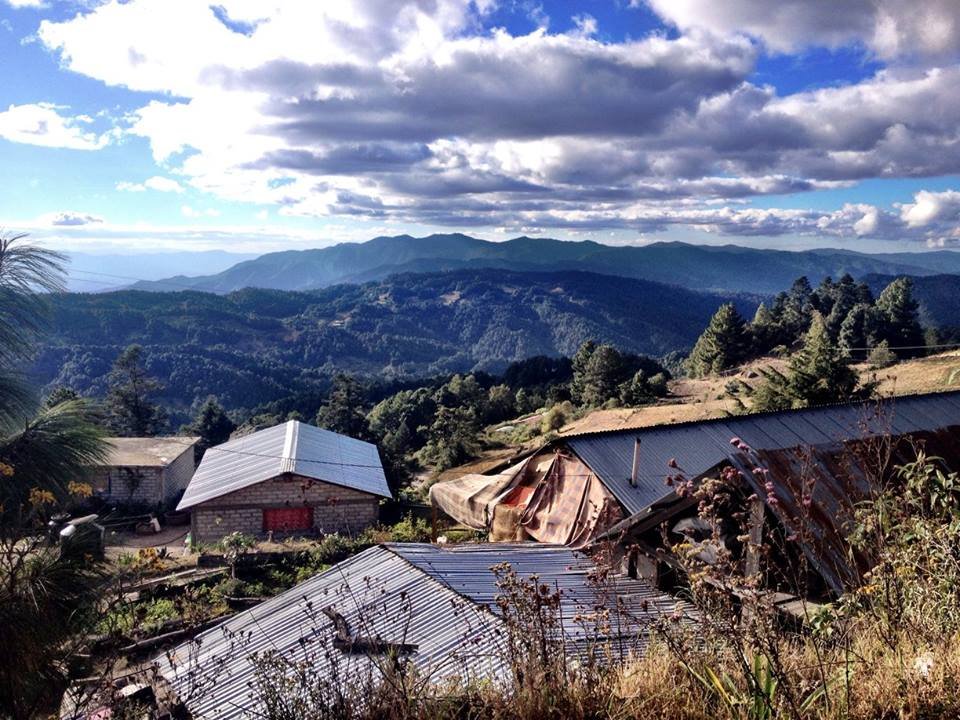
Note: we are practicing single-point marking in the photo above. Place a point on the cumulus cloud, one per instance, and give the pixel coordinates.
(43, 124)
(890, 28)
(405, 110)
(931, 208)
(69, 218)
(157, 182)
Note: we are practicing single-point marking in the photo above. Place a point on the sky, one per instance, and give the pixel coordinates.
(250, 126)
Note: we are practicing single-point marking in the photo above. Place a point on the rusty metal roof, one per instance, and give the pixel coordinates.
(443, 600)
(700, 446)
(834, 479)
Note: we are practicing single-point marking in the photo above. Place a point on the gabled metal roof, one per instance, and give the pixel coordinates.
(440, 599)
(293, 447)
(700, 446)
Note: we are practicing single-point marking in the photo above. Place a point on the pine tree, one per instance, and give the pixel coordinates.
(859, 330)
(212, 424)
(902, 329)
(600, 378)
(130, 410)
(797, 309)
(818, 374)
(764, 331)
(579, 367)
(724, 344)
(343, 410)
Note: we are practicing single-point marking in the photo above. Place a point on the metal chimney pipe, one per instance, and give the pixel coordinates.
(636, 463)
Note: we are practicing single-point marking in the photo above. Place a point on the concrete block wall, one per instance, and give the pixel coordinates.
(335, 508)
(130, 484)
(178, 473)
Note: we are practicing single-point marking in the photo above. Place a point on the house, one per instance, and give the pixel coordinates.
(433, 607)
(578, 488)
(290, 478)
(152, 470)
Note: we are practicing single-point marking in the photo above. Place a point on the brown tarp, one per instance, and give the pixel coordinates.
(570, 506)
(470, 499)
(551, 497)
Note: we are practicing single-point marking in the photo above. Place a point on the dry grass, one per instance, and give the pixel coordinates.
(931, 374)
(702, 399)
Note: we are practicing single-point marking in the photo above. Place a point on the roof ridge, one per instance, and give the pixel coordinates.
(288, 459)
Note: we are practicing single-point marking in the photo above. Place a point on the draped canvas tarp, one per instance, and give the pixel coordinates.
(570, 506)
(551, 497)
(470, 499)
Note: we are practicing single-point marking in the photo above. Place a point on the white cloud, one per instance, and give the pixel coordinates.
(26, 3)
(929, 208)
(69, 218)
(891, 28)
(191, 212)
(157, 182)
(42, 124)
(402, 110)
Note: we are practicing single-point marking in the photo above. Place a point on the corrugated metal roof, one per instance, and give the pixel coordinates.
(836, 478)
(700, 446)
(441, 599)
(293, 447)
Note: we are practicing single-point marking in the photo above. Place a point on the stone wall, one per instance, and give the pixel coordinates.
(335, 508)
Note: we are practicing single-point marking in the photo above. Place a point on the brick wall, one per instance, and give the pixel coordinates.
(335, 508)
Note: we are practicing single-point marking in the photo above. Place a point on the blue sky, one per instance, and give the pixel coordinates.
(255, 125)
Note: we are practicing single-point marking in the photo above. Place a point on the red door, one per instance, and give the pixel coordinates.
(287, 519)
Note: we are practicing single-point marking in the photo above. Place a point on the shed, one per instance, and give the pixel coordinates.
(632, 464)
(434, 607)
(290, 478)
(151, 470)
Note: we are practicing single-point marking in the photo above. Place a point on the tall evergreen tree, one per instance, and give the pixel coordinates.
(45, 455)
(211, 424)
(579, 368)
(859, 331)
(901, 315)
(723, 345)
(131, 411)
(343, 410)
(818, 374)
(764, 331)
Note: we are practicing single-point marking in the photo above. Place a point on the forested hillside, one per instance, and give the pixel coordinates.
(254, 346)
(727, 268)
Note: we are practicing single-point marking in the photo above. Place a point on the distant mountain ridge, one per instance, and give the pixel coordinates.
(727, 268)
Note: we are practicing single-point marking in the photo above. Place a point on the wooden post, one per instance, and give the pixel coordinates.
(756, 537)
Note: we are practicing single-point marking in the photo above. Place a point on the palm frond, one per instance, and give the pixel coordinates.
(27, 272)
(57, 446)
(17, 401)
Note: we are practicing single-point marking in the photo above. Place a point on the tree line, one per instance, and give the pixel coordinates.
(824, 331)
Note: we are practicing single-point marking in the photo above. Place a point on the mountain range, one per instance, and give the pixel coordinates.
(728, 268)
(254, 345)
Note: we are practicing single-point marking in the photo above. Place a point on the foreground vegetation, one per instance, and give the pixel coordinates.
(887, 648)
